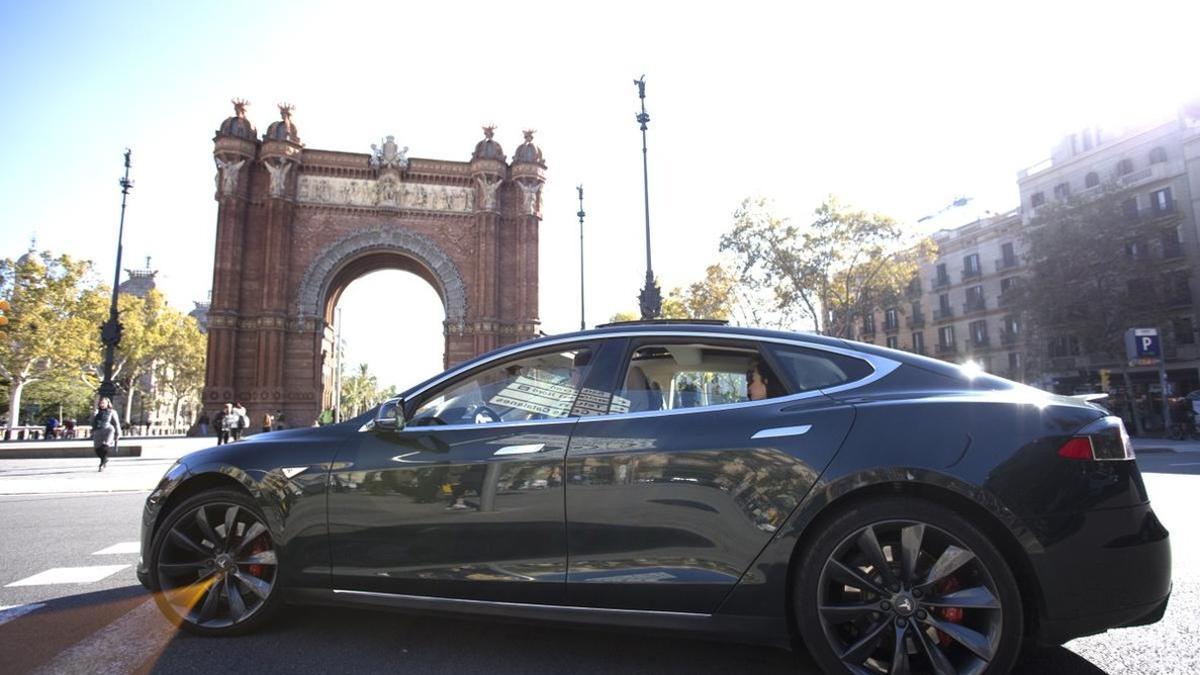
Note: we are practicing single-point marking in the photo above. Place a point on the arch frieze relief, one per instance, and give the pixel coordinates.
(386, 191)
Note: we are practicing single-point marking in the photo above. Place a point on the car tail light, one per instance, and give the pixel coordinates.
(1104, 440)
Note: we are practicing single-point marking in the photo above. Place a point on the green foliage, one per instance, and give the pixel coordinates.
(1095, 271)
(845, 263)
(713, 297)
(55, 314)
(361, 391)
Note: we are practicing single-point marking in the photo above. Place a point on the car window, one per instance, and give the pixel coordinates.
(672, 376)
(810, 369)
(537, 387)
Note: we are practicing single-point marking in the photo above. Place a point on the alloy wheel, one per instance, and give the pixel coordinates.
(902, 596)
(217, 565)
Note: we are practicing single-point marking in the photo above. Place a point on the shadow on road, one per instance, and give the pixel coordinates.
(363, 640)
(37, 637)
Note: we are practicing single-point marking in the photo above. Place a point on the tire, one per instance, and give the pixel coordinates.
(941, 587)
(206, 581)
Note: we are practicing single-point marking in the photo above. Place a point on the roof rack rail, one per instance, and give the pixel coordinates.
(661, 322)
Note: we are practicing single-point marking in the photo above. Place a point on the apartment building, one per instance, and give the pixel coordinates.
(956, 308)
(1159, 165)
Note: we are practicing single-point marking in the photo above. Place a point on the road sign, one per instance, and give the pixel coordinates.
(1143, 343)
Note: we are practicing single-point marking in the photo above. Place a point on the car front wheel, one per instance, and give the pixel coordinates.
(214, 565)
(903, 586)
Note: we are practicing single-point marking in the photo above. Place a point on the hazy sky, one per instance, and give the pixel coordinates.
(898, 107)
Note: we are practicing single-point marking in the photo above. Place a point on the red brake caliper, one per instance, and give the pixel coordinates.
(258, 546)
(951, 614)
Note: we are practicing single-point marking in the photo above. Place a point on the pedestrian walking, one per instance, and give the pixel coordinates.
(226, 424)
(203, 422)
(106, 430)
(243, 421)
(267, 422)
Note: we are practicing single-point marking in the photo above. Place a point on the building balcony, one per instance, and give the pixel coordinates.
(868, 331)
(946, 350)
(1172, 250)
(1063, 362)
(983, 342)
(1006, 298)
(974, 307)
(891, 326)
(916, 321)
(971, 274)
(1004, 264)
(944, 314)
(940, 282)
(1140, 177)
(1009, 337)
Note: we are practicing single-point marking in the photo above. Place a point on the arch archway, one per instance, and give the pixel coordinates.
(296, 226)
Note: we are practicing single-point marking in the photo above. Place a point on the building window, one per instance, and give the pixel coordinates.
(1161, 202)
(971, 265)
(893, 342)
(1158, 156)
(979, 334)
(974, 298)
(1062, 190)
(1012, 325)
(891, 319)
(944, 304)
(1091, 180)
(918, 342)
(868, 324)
(1008, 255)
(1037, 199)
(946, 336)
(1063, 345)
(1007, 284)
(1134, 250)
(1184, 333)
(1014, 363)
(943, 277)
(1130, 207)
(1124, 166)
(1177, 286)
(1171, 246)
(914, 286)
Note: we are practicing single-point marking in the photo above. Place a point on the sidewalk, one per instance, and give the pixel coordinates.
(79, 475)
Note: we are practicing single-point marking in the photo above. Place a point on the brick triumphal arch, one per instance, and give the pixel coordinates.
(295, 226)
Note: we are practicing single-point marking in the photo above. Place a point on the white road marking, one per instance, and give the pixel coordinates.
(123, 547)
(69, 575)
(10, 612)
(122, 646)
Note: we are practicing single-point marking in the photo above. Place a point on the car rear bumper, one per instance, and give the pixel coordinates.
(1107, 568)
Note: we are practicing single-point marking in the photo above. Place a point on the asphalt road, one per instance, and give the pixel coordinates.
(110, 625)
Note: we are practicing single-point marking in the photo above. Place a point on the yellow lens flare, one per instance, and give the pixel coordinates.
(187, 597)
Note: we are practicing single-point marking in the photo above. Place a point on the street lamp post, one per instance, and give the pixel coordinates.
(650, 299)
(110, 332)
(582, 320)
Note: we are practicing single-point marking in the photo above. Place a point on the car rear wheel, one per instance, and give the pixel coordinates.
(214, 565)
(903, 586)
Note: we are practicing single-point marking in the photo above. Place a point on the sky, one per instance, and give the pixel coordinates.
(895, 107)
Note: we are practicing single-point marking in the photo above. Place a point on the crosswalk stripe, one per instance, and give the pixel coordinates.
(123, 547)
(122, 646)
(10, 612)
(69, 575)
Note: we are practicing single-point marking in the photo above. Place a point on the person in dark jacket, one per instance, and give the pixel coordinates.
(106, 430)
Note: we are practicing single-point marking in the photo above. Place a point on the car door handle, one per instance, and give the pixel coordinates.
(779, 432)
(528, 449)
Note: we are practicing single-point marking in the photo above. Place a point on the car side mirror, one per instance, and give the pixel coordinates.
(390, 416)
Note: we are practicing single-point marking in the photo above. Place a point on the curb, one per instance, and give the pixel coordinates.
(66, 453)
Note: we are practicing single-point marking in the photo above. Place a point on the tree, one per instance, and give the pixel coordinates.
(624, 316)
(1090, 276)
(360, 391)
(844, 264)
(146, 325)
(713, 297)
(179, 362)
(53, 321)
